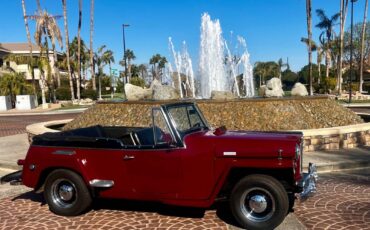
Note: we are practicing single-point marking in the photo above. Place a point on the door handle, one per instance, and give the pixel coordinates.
(127, 157)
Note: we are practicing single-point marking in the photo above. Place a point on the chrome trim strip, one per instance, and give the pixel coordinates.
(101, 183)
(65, 152)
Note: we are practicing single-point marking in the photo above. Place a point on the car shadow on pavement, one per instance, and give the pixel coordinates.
(223, 212)
(222, 209)
(146, 206)
(32, 196)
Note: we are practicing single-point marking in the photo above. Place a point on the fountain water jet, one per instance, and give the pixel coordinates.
(219, 67)
(183, 66)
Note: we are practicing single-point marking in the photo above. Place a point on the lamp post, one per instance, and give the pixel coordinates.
(124, 46)
(351, 54)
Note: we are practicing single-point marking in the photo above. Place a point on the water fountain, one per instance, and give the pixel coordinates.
(219, 67)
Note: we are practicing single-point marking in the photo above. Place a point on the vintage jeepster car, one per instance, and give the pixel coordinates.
(179, 160)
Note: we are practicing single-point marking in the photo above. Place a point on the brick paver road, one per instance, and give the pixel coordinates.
(28, 211)
(11, 125)
(342, 202)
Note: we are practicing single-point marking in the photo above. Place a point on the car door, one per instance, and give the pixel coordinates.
(155, 170)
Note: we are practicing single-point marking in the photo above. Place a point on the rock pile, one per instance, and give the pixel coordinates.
(242, 114)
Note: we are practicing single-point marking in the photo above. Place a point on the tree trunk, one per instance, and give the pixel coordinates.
(67, 48)
(363, 47)
(30, 61)
(55, 68)
(343, 15)
(51, 77)
(309, 30)
(78, 82)
(327, 63)
(91, 44)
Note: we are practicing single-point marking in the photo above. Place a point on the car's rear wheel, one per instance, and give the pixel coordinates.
(66, 193)
(259, 202)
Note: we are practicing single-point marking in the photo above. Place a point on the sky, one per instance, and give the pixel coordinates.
(272, 28)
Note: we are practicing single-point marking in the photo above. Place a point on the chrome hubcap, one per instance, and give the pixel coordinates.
(66, 192)
(257, 204)
(63, 193)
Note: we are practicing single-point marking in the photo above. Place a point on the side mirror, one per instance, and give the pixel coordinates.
(220, 131)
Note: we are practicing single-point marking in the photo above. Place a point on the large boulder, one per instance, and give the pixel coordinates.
(155, 82)
(299, 90)
(222, 95)
(164, 92)
(262, 91)
(135, 93)
(273, 88)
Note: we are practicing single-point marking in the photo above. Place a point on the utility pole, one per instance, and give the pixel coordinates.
(124, 57)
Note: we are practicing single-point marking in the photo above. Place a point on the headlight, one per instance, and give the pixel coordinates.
(298, 155)
(297, 151)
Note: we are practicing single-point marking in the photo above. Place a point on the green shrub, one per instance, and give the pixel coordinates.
(63, 94)
(137, 81)
(326, 85)
(355, 86)
(89, 93)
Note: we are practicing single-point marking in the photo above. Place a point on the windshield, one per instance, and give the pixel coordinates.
(186, 118)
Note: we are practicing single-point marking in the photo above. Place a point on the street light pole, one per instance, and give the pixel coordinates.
(351, 54)
(124, 46)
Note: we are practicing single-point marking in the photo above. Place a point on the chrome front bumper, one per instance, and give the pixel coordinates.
(308, 183)
(14, 178)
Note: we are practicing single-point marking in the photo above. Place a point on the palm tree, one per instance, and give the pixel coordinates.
(363, 46)
(30, 67)
(108, 58)
(129, 56)
(67, 48)
(319, 59)
(143, 70)
(103, 57)
(260, 71)
(47, 28)
(79, 50)
(158, 64)
(76, 52)
(309, 32)
(154, 60)
(343, 15)
(91, 44)
(326, 37)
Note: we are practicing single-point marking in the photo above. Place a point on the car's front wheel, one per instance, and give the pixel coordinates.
(66, 193)
(259, 202)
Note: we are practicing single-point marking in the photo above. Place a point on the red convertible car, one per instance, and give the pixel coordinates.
(179, 160)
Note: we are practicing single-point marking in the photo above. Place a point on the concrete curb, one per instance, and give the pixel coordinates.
(42, 127)
(344, 165)
(50, 112)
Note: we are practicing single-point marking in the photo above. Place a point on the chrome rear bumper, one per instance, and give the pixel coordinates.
(308, 183)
